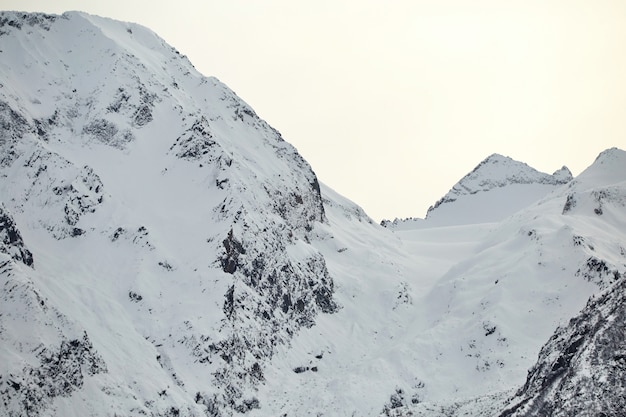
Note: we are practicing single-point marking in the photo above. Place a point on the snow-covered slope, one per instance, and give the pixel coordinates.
(163, 251)
(163, 215)
(447, 320)
(580, 370)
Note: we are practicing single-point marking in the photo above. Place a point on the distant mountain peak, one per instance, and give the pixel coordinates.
(563, 174)
(496, 157)
(611, 160)
(611, 153)
(484, 193)
(609, 167)
(497, 171)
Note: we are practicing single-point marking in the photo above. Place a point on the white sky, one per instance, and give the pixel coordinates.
(392, 102)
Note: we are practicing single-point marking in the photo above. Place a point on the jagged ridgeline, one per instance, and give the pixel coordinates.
(111, 140)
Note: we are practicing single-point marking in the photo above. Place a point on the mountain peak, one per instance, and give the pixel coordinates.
(611, 153)
(610, 160)
(496, 158)
(609, 167)
(563, 174)
(497, 172)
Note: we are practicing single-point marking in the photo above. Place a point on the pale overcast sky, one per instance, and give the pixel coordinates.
(392, 102)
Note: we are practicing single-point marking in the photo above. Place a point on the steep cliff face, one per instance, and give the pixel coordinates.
(580, 371)
(111, 141)
(11, 242)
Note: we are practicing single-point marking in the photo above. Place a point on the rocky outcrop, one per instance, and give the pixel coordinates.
(61, 371)
(582, 369)
(11, 242)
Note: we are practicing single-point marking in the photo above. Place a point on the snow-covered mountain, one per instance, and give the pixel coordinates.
(498, 187)
(178, 220)
(163, 251)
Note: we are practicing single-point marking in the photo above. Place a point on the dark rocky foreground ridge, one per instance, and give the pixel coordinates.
(164, 252)
(580, 371)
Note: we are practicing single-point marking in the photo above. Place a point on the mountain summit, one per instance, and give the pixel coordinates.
(498, 171)
(495, 189)
(165, 252)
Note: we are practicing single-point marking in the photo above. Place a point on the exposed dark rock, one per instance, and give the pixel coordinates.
(143, 114)
(570, 203)
(18, 19)
(397, 400)
(581, 370)
(76, 231)
(233, 249)
(134, 296)
(61, 371)
(600, 196)
(82, 197)
(196, 141)
(12, 127)
(489, 329)
(599, 272)
(268, 298)
(101, 129)
(229, 302)
(11, 242)
(120, 100)
(117, 233)
(165, 265)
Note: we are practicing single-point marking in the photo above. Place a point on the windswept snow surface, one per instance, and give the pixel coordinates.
(163, 251)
